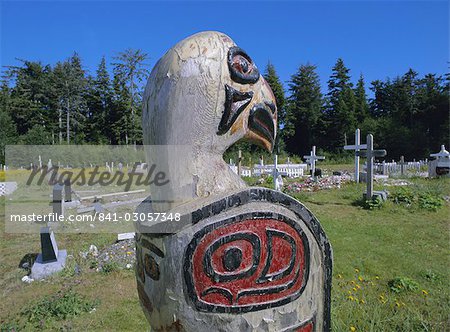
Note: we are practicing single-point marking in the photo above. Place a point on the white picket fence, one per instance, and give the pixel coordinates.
(393, 167)
(287, 170)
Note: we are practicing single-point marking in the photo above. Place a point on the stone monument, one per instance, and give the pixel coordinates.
(238, 258)
(51, 259)
(440, 166)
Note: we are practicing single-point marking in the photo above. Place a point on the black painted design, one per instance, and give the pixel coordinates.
(139, 265)
(275, 276)
(235, 103)
(221, 291)
(218, 277)
(257, 194)
(242, 68)
(252, 238)
(151, 267)
(150, 246)
(267, 195)
(232, 259)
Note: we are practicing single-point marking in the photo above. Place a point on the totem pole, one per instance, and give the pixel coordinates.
(237, 258)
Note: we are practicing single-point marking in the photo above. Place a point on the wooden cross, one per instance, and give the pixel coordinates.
(357, 147)
(240, 163)
(311, 160)
(402, 165)
(370, 153)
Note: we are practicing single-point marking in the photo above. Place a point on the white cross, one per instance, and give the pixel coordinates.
(443, 153)
(356, 147)
(370, 154)
(311, 160)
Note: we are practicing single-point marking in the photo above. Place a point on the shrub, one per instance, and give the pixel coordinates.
(403, 195)
(403, 284)
(59, 306)
(429, 202)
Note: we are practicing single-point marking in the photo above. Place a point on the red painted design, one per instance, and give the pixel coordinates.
(309, 327)
(254, 261)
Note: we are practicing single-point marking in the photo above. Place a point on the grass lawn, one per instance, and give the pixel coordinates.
(391, 270)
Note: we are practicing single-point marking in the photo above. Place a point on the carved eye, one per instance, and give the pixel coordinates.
(242, 69)
(241, 64)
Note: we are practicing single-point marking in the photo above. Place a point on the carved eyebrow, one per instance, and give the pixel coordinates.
(237, 76)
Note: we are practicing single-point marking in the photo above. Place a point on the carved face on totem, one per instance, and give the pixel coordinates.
(217, 96)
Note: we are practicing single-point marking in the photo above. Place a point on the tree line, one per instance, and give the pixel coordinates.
(65, 104)
(408, 115)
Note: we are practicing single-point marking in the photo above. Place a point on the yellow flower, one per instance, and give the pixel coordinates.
(356, 270)
(360, 278)
(352, 328)
(354, 289)
(350, 292)
(362, 301)
(351, 298)
(358, 286)
(377, 277)
(397, 303)
(339, 276)
(424, 292)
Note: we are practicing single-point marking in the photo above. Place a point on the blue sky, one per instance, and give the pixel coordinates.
(376, 38)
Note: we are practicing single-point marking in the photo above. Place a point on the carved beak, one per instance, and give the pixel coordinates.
(255, 113)
(262, 125)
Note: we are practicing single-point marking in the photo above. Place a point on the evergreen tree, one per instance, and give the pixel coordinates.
(304, 110)
(28, 104)
(99, 105)
(275, 84)
(130, 69)
(361, 104)
(70, 84)
(340, 111)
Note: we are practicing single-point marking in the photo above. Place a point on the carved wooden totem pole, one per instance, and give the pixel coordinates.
(239, 258)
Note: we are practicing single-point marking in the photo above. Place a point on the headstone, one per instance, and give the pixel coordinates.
(67, 190)
(51, 259)
(311, 160)
(357, 147)
(370, 153)
(120, 166)
(49, 164)
(238, 258)
(58, 199)
(440, 166)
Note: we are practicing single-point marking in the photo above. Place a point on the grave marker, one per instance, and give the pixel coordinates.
(51, 259)
(67, 190)
(58, 200)
(357, 147)
(441, 164)
(311, 160)
(240, 163)
(402, 165)
(370, 153)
